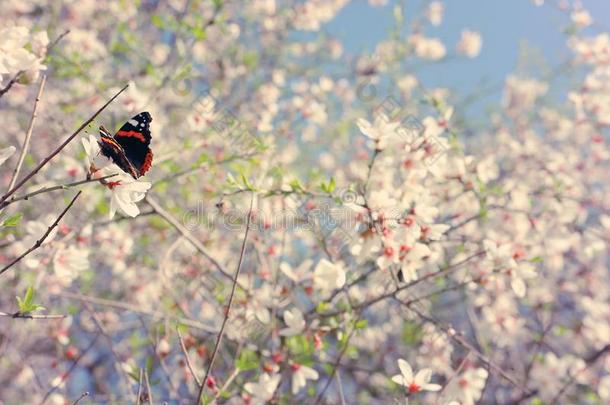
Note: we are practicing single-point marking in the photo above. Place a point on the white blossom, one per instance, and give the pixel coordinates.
(417, 383)
(470, 43)
(300, 375)
(328, 276)
(6, 153)
(262, 391)
(294, 321)
(125, 193)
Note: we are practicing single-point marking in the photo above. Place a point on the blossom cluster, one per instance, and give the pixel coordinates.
(22, 51)
(468, 263)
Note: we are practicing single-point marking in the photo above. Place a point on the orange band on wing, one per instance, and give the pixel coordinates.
(147, 163)
(129, 134)
(111, 142)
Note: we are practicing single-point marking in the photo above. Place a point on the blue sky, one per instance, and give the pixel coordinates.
(504, 25)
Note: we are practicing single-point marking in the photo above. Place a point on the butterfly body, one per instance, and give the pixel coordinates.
(129, 148)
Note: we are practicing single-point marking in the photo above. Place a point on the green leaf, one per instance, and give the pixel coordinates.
(157, 21)
(248, 360)
(330, 187)
(351, 352)
(361, 324)
(250, 59)
(183, 329)
(300, 346)
(322, 306)
(27, 304)
(150, 361)
(231, 180)
(247, 183)
(13, 220)
(296, 185)
(199, 33)
(184, 72)
(134, 375)
(29, 295)
(412, 333)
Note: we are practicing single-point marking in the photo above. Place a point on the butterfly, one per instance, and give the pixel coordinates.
(129, 147)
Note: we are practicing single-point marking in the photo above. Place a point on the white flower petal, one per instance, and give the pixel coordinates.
(518, 286)
(423, 376)
(6, 153)
(405, 370)
(431, 387)
(309, 373)
(398, 379)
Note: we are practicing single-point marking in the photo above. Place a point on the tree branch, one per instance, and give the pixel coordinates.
(393, 293)
(58, 149)
(43, 237)
(139, 394)
(53, 188)
(11, 82)
(188, 359)
(28, 134)
(231, 296)
(19, 315)
(338, 360)
(72, 367)
(59, 38)
(83, 395)
(128, 307)
(189, 236)
(459, 339)
(148, 390)
(19, 73)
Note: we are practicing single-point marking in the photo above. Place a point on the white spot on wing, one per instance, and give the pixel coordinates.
(133, 122)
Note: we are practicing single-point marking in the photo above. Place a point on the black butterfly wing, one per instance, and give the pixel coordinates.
(134, 137)
(112, 150)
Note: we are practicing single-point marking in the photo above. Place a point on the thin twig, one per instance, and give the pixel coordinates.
(174, 176)
(186, 356)
(42, 239)
(84, 395)
(189, 236)
(139, 387)
(589, 361)
(340, 385)
(335, 367)
(226, 385)
(456, 372)
(117, 361)
(19, 73)
(228, 311)
(19, 315)
(59, 38)
(128, 307)
(459, 339)
(28, 134)
(53, 188)
(148, 390)
(58, 149)
(393, 293)
(11, 82)
(154, 345)
(72, 367)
